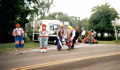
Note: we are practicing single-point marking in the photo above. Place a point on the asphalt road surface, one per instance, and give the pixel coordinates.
(104, 63)
(83, 57)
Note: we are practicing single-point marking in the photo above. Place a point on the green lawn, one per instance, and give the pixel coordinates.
(109, 42)
(10, 46)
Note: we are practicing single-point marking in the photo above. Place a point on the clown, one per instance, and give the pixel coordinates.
(18, 34)
(69, 37)
(43, 37)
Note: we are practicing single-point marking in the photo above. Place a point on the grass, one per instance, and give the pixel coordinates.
(10, 46)
(109, 42)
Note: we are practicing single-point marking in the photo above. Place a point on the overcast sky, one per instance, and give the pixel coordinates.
(81, 8)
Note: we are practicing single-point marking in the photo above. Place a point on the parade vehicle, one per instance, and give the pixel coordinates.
(52, 25)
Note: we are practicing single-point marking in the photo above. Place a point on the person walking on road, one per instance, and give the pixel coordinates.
(60, 35)
(43, 37)
(18, 36)
(69, 37)
(76, 35)
(73, 39)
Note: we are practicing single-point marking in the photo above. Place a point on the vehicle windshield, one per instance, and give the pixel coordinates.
(56, 27)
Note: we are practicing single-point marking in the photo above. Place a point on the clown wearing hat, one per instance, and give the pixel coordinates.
(18, 35)
(43, 37)
(70, 37)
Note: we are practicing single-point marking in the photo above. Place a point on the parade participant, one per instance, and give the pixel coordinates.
(73, 38)
(18, 35)
(43, 37)
(76, 35)
(60, 35)
(69, 37)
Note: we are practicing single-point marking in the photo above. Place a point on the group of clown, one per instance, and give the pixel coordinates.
(62, 35)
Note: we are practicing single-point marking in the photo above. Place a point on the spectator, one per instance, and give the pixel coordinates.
(90, 36)
(83, 35)
(95, 35)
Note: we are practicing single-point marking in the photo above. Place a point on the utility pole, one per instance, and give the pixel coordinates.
(114, 24)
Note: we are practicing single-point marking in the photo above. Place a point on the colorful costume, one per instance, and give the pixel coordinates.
(60, 34)
(69, 37)
(43, 37)
(17, 33)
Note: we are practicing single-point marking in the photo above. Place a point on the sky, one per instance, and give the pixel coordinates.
(81, 8)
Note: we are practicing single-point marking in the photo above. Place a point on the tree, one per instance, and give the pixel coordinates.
(101, 18)
(13, 11)
(84, 23)
(74, 21)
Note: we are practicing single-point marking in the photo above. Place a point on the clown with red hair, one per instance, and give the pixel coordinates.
(18, 36)
(43, 37)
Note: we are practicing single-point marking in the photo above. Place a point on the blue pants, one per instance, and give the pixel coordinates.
(19, 42)
(58, 44)
(90, 40)
(43, 41)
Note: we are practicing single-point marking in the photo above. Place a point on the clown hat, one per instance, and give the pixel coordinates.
(70, 27)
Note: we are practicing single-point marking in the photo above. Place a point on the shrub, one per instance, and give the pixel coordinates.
(27, 39)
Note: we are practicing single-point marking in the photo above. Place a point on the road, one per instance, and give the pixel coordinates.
(83, 57)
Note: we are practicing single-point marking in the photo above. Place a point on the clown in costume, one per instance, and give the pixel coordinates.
(69, 37)
(18, 34)
(43, 37)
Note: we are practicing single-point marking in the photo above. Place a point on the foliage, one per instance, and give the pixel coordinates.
(27, 39)
(13, 11)
(101, 18)
(74, 21)
(106, 38)
(84, 23)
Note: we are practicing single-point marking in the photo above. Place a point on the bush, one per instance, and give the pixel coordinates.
(106, 38)
(27, 39)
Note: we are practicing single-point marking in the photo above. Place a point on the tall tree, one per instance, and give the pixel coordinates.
(84, 23)
(101, 19)
(13, 11)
